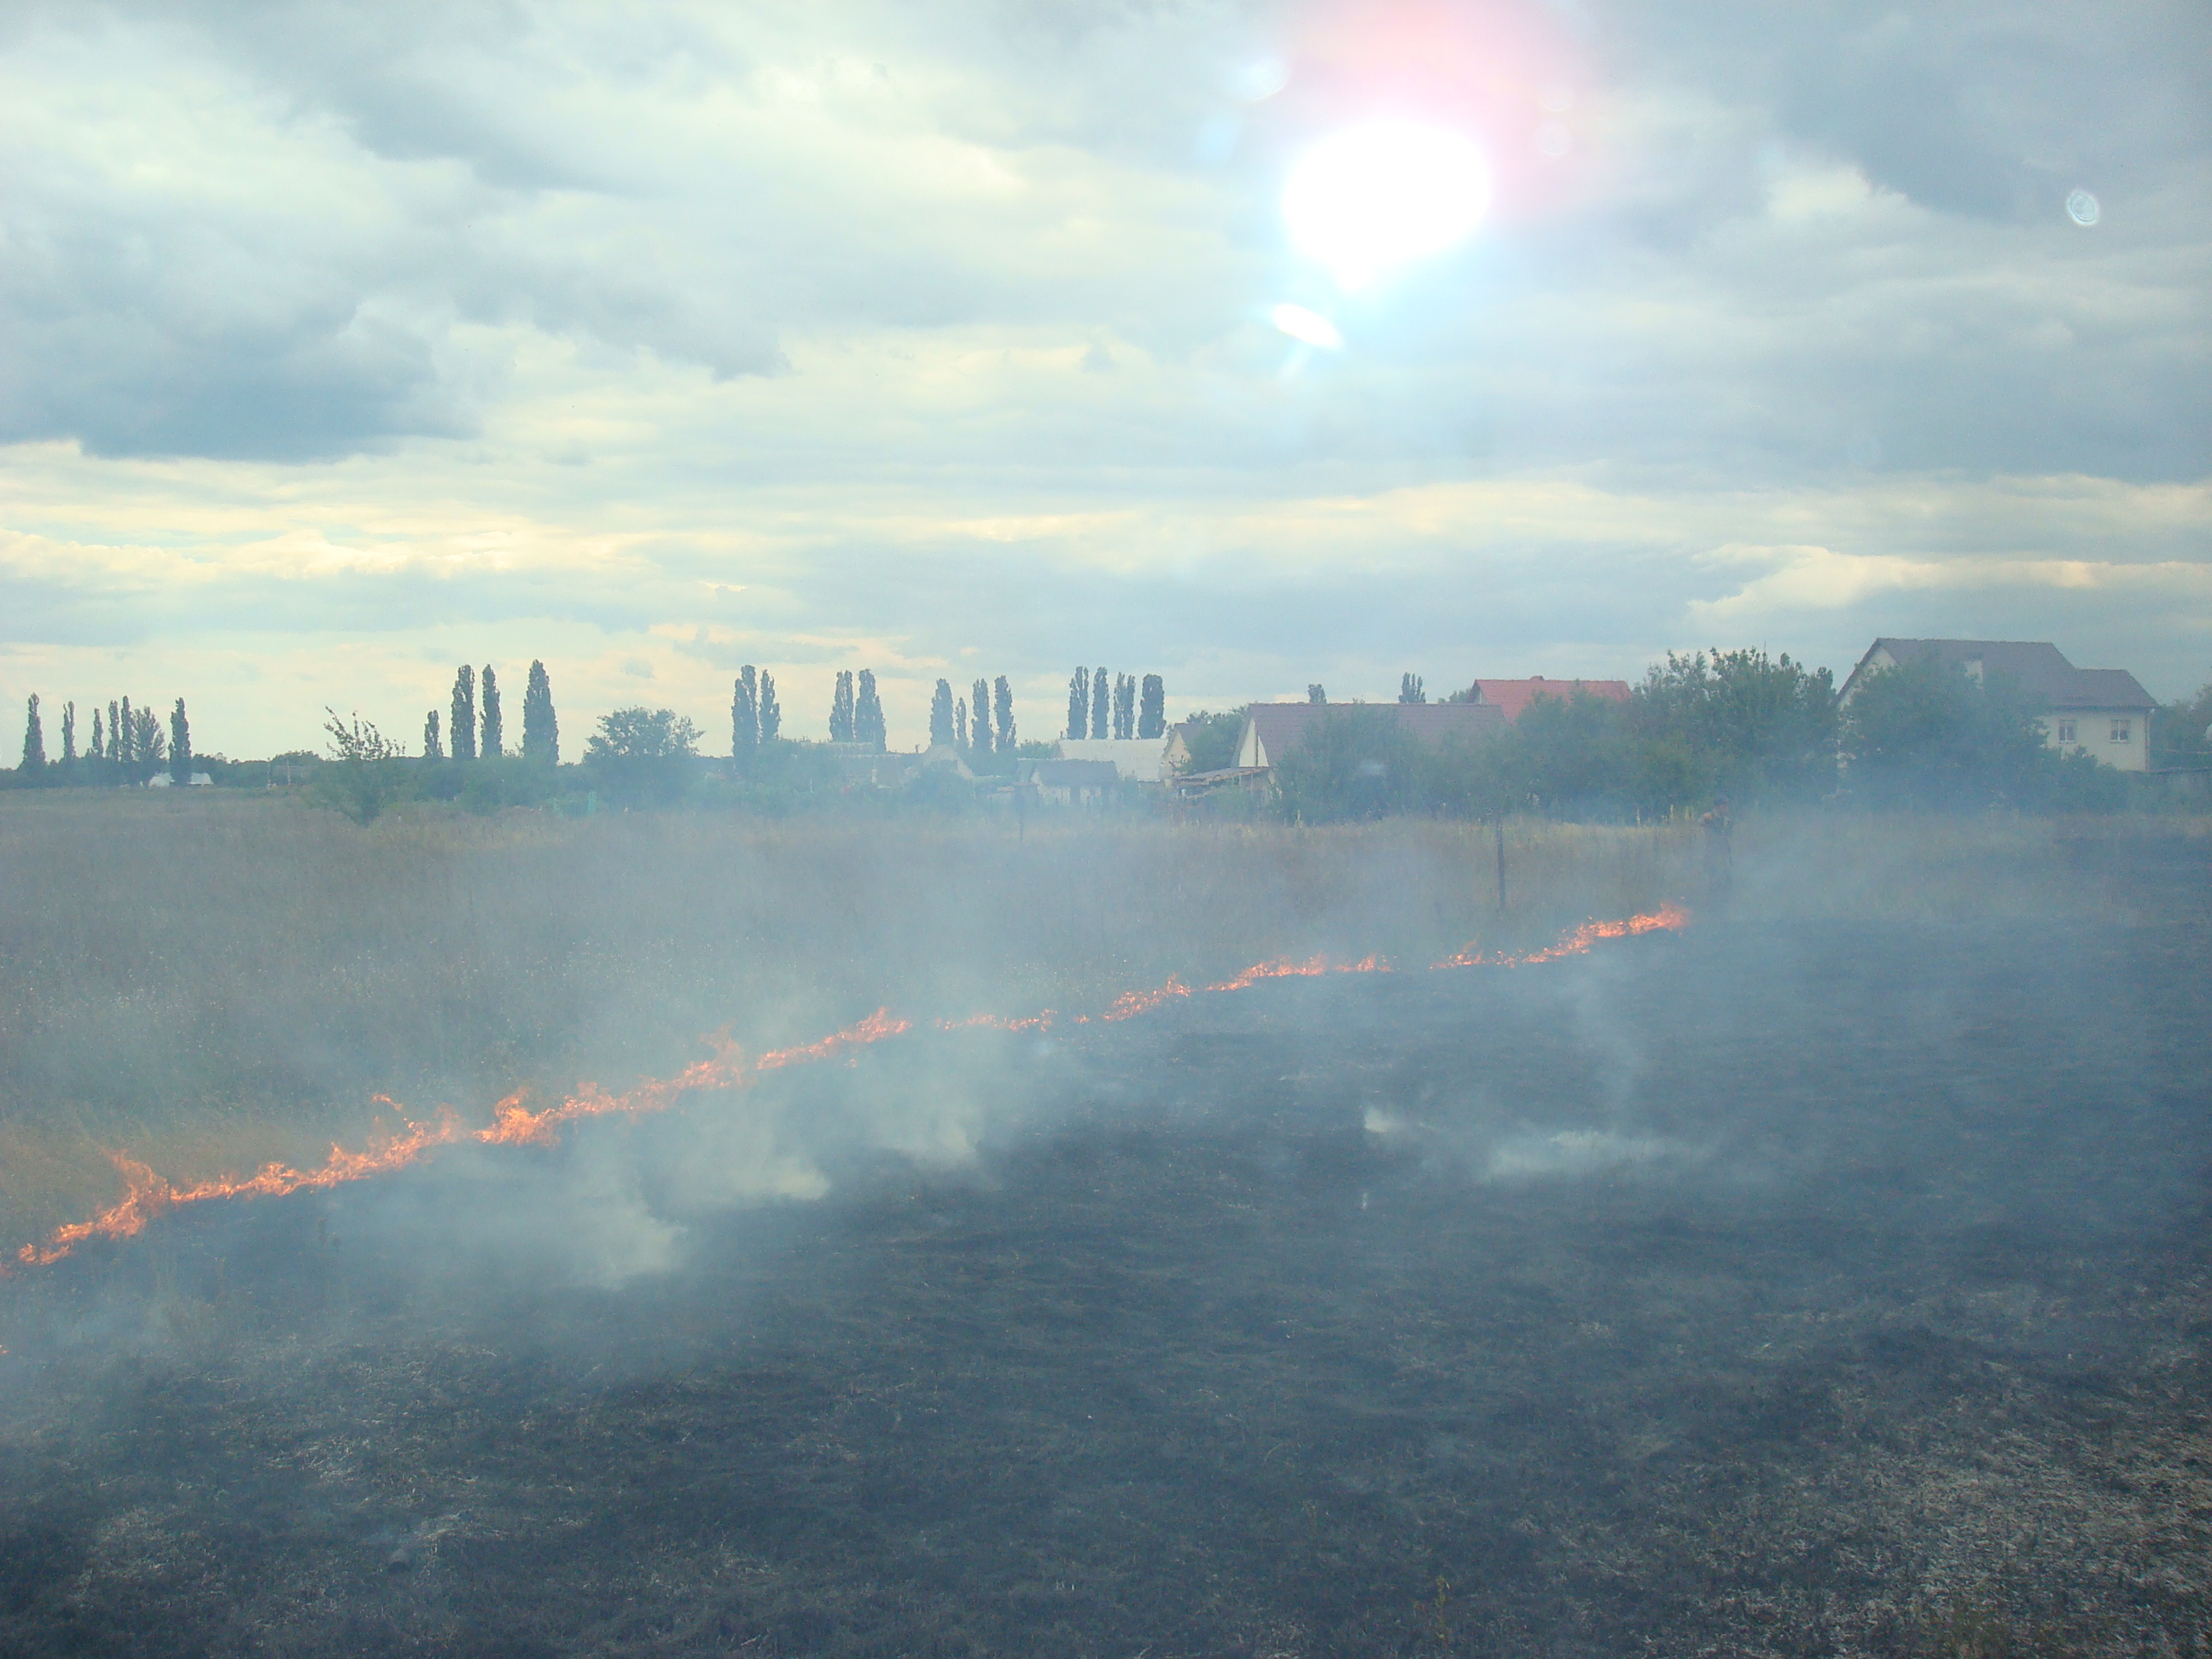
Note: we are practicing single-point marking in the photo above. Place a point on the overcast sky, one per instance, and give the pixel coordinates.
(340, 344)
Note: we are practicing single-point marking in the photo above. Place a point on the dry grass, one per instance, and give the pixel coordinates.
(212, 983)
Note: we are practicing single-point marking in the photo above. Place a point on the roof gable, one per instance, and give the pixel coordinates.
(2035, 668)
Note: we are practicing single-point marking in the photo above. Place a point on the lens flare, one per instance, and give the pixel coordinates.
(1373, 198)
(1308, 326)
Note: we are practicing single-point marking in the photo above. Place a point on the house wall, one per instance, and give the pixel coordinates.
(2093, 731)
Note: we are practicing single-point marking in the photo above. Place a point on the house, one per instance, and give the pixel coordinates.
(163, 780)
(1075, 782)
(1135, 760)
(1512, 697)
(1271, 730)
(2102, 712)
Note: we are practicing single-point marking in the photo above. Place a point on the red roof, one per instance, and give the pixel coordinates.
(1512, 697)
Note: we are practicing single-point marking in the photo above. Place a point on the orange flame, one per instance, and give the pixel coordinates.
(148, 1196)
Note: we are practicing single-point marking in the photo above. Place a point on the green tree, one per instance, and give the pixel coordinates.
(68, 734)
(979, 736)
(1926, 734)
(366, 776)
(643, 754)
(2179, 736)
(180, 745)
(1002, 700)
(745, 718)
(492, 744)
(960, 723)
(1211, 739)
(1315, 693)
(840, 709)
(434, 747)
(1153, 708)
(868, 713)
(541, 729)
(771, 712)
(34, 742)
(1353, 763)
(122, 740)
(1734, 723)
(461, 729)
(1409, 689)
(1078, 703)
(940, 713)
(149, 743)
(1125, 706)
(1101, 694)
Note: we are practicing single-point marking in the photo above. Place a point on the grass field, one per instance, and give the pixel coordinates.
(214, 983)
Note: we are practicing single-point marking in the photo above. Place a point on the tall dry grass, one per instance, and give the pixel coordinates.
(213, 983)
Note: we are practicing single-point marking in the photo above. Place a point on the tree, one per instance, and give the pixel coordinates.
(491, 746)
(745, 718)
(366, 778)
(461, 729)
(868, 713)
(840, 709)
(1078, 703)
(1315, 694)
(641, 754)
(1152, 707)
(180, 745)
(771, 711)
(1734, 723)
(34, 742)
(1211, 739)
(1409, 689)
(433, 748)
(541, 731)
(1926, 734)
(99, 741)
(1125, 706)
(1002, 700)
(69, 734)
(979, 734)
(1101, 694)
(2178, 732)
(940, 713)
(122, 737)
(960, 723)
(1355, 762)
(149, 743)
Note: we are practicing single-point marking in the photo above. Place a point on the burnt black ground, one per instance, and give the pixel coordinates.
(1793, 1290)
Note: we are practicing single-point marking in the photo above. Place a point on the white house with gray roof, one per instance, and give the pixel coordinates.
(2102, 712)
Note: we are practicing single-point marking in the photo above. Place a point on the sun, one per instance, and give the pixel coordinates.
(1373, 197)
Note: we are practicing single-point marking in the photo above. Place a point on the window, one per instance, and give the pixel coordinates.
(2123, 730)
(2066, 732)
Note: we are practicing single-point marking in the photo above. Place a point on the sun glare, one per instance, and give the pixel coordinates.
(1373, 197)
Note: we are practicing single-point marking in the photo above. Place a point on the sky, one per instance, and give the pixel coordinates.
(341, 346)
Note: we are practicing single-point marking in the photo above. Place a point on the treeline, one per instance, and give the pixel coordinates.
(1737, 726)
(1123, 708)
(127, 745)
(475, 726)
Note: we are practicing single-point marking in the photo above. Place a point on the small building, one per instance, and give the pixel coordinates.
(1075, 782)
(1135, 760)
(1271, 730)
(163, 780)
(2102, 712)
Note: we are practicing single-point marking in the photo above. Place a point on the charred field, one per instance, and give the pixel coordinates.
(1816, 1287)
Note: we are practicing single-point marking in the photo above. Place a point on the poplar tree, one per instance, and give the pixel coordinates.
(1002, 698)
(148, 743)
(960, 723)
(180, 744)
(979, 699)
(34, 741)
(868, 713)
(1078, 703)
(1101, 694)
(541, 731)
(491, 747)
(461, 729)
(1409, 689)
(744, 720)
(840, 709)
(1152, 707)
(940, 713)
(69, 734)
(433, 748)
(122, 736)
(1125, 706)
(99, 737)
(771, 712)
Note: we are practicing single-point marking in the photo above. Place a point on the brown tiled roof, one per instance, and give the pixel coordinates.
(1513, 697)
